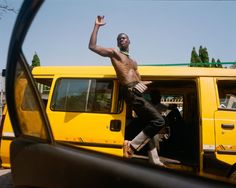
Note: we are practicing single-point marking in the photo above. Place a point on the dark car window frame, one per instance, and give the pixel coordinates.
(16, 56)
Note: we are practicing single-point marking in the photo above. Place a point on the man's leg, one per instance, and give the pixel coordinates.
(135, 145)
(153, 151)
(152, 120)
(138, 143)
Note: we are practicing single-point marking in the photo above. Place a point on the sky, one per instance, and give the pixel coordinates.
(161, 32)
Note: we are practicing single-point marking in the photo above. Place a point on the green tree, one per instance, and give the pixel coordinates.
(218, 64)
(35, 61)
(195, 59)
(213, 62)
(204, 57)
(201, 53)
(202, 60)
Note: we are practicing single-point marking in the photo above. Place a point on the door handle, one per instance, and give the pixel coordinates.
(115, 125)
(227, 126)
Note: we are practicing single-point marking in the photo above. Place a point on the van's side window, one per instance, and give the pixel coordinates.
(82, 95)
(44, 85)
(227, 94)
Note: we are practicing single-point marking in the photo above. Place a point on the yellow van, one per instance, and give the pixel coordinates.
(85, 107)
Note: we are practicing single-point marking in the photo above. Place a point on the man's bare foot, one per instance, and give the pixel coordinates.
(127, 150)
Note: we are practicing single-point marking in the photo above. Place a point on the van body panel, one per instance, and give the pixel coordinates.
(225, 125)
(6, 139)
(208, 107)
(90, 129)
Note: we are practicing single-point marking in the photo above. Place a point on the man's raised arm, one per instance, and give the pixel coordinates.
(106, 52)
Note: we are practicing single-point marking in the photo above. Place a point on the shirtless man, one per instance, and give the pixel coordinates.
(129, 77)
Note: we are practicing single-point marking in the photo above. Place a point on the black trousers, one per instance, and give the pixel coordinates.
(150, 118)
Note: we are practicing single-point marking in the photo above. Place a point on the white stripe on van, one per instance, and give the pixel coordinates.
(209, 148)
(8, 134)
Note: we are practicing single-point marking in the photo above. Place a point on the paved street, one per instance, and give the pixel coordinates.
(5, 178)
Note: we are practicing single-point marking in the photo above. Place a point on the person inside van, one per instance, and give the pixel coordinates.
(129, 77)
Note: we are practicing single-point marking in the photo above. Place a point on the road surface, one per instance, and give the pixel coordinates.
(5, 178)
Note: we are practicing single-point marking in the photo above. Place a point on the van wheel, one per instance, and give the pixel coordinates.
(233, 176)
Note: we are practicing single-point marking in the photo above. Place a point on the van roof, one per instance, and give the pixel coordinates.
(108, 71)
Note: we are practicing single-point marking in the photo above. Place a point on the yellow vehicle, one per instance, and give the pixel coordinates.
(85, 107)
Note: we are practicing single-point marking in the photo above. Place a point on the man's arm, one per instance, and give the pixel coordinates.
(106, 52)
